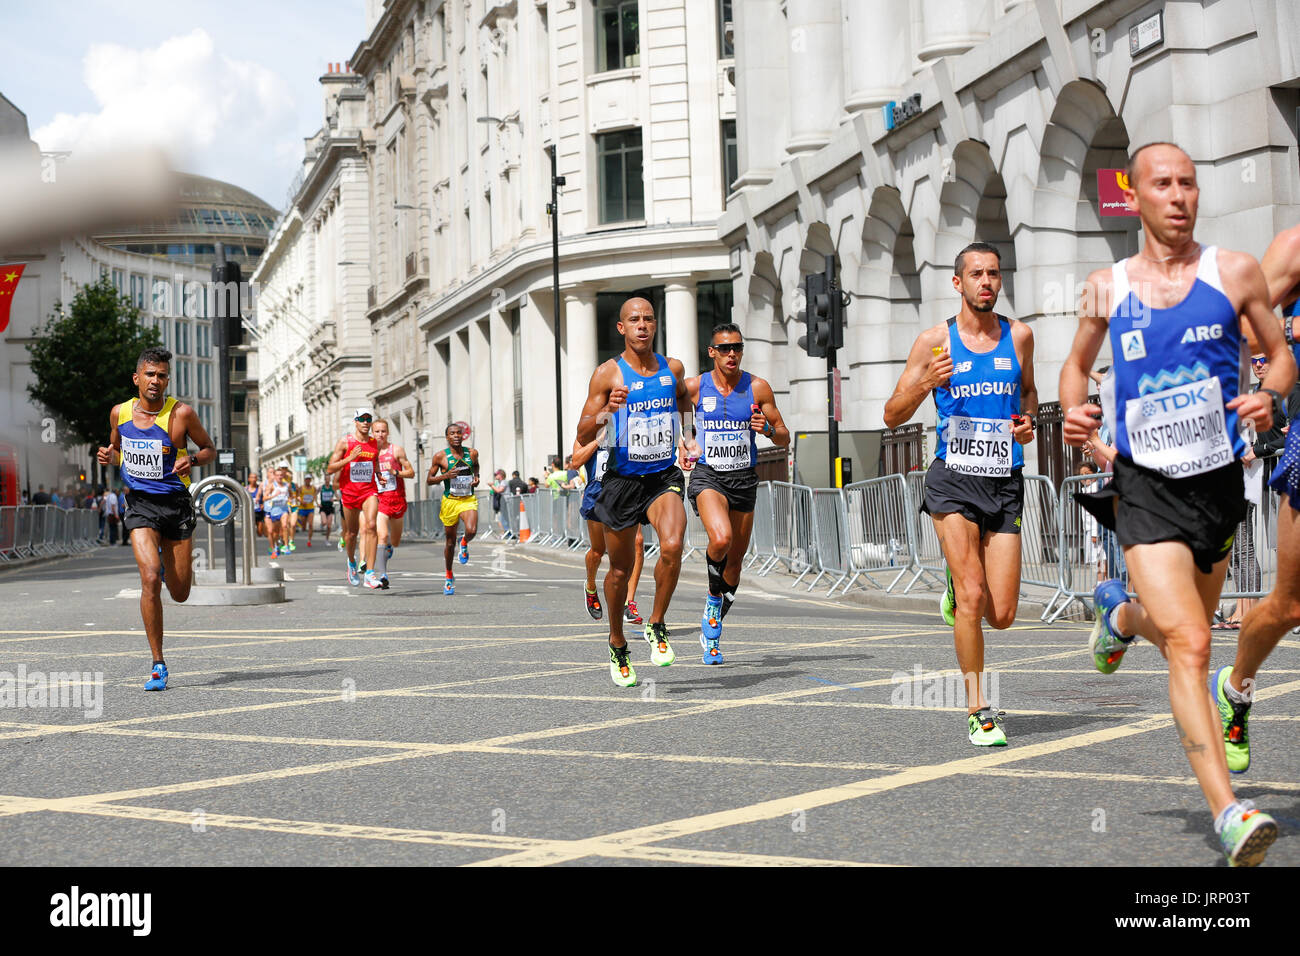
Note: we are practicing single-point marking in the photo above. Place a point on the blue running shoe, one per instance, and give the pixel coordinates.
(464, 551)
(354, 578)
(449, 587)
(1107, 647)
(711, 621)
(712, 653)
(158, 679)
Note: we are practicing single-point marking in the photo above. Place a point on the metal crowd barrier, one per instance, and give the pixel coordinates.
(929, 553)
(762, 540)
(881, 528)
(35, 531)
(1040, 555)
(794, 533)
(831, 532)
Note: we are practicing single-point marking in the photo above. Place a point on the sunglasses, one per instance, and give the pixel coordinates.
(365, 418)
(1259, 361)
(727, 348)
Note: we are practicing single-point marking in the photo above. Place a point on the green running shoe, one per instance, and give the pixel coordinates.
(661, 652)
(948, 603)
(1247, 834)
(1234, 717)
(1106, 646)
(620, 668)
(985, 728)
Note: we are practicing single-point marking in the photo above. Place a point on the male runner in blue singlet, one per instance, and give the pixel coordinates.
(641, 395)
(1176, 316)
(148, 442)
(980, 368)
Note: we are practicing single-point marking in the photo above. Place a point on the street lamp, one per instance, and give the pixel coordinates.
(553, 210)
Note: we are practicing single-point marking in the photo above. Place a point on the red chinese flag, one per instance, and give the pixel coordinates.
(9, 276)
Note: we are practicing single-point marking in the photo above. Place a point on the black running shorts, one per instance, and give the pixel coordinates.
(625, 499)
(172, 516)
(1144, 507)
(740, 488)
(991, 504)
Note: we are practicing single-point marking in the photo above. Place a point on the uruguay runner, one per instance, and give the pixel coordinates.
(980, 368)
(593, 460)
(642, 395)
(730, 406)
(148, 440)
(1174, 316)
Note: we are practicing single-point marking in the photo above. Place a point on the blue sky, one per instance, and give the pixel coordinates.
(229, 89)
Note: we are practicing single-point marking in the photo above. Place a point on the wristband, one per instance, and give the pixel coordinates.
(1287, 331)
(1279, 408)
(768, 430)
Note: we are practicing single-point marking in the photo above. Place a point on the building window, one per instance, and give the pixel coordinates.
(618, 35)
(622, 192)
(137, 291)
(730, 163)
(713, 302)
(202, 341)
(725, 49)
(119, 280)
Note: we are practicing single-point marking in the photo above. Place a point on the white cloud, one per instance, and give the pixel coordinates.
(209, 111)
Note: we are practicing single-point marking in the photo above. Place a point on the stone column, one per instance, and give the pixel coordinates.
(877, 52)
(815, 74)
(682, 323)
(949, 27)
(580, 352)
(762, 50)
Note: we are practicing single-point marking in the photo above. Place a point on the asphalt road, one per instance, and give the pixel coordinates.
(405, 727)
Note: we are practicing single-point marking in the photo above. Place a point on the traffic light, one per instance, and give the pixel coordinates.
(227, 325)
(817, 314)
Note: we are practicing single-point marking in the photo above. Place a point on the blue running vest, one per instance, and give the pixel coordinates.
(1175, 371)
(148, 455)
(974, 423)
(646, 435)
(722, 423)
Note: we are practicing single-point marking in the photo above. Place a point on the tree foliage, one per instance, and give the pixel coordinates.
(83, 360)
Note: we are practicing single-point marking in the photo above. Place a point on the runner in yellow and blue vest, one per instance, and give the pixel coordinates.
(457, 468)
(148, 442)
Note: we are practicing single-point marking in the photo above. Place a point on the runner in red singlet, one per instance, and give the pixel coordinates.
(354, 462)
(393, 466)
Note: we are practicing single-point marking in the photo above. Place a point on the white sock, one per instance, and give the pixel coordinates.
(1113, 620)
(1234, 695)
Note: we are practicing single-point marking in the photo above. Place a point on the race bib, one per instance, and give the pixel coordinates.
(142, 457)
(361, 471)
(387, 481)
(727, 451)
(979, 446)
(1180, 431)
(650, 438)
(462, 486)
(326, 496)
(602, 462)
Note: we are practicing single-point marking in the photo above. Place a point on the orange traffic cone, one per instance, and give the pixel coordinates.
(524, 533)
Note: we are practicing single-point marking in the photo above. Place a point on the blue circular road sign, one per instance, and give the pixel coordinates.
(217, 507)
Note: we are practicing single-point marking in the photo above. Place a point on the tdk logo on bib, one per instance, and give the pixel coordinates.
(1202, 333)
(1133, 345)
(1173, 401)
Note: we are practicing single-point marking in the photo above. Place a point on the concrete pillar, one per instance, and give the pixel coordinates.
(540, 404)
(877, 52)
(815, 75)
(682, 323)
(580, 353)
(503, 391)
(481, 391)
(949, 27)
(762, 51)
